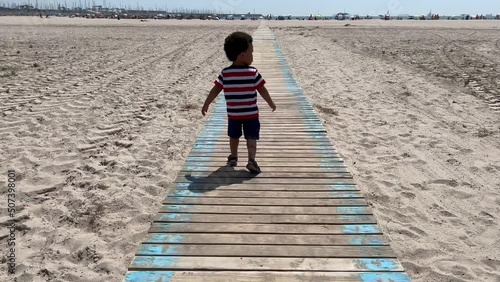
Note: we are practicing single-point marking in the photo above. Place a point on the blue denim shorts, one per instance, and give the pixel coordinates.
(251, 128)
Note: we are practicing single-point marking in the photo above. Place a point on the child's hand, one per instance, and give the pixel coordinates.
(204, 110)
(273, 106)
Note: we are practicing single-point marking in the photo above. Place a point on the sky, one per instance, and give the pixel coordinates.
(330, 7)
(306, 7)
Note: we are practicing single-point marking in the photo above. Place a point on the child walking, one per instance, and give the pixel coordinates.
(240, 83)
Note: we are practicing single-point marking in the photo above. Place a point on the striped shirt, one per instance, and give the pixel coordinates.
(240, 85)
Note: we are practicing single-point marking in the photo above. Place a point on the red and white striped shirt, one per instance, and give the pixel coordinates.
(240, 85)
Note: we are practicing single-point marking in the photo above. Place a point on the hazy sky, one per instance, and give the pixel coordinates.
(329, 7)
(306, 7)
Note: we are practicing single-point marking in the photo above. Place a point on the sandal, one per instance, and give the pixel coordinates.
(232, 161)
(253, 167)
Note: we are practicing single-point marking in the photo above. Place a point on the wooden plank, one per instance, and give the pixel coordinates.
(269, 134)
(228, 209)
(271, 117)
(264, 202)
(317, 161)
(266, 151)
(268, 146)
(281, 144)
(263, 264)
(275, 120)
(268, 165)
(231, 228)
(273, 129)
(264, 194)
(271, 140)
(255, 180)
(245, 174)
(294, 187)
(202, 167)
(295, 139)
(263, 276)
(242, 251)
(295, 123)
(267, 239)
(278, 125)
(314, 142)
(264, 218)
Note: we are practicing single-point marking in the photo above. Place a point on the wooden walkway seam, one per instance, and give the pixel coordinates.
(302, 219)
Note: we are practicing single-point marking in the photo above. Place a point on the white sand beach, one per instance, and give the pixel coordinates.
(98, 124)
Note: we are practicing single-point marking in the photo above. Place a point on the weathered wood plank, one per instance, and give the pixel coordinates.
(282, 159)
(263, 276)
(266, 251)
(263, 145)
(263, 194)
(264, 219)
(306, 187)
(269, 165)
(267, 239)
(265, 174)
(264, 152)
(264, 201)
(219, 125)
(229, 181)
(266, 145)
(298, 119)
(253, 228)
(269, 138)
(299, 137)
(263, 264)
(264, 155)
(237, 209)
(280, 126)
(203, 167)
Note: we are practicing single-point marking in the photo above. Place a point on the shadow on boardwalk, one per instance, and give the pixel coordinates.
(223, 176)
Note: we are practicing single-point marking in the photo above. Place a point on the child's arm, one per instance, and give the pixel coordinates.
(211, 97)
(265, 94)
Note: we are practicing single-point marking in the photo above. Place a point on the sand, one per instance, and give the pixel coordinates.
(97, 117)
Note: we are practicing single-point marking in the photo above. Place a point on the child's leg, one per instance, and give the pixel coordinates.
(233, 144)
(251, 129)
(252, 148)
(234, 133)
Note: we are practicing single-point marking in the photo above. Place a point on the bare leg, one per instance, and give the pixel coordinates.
(252, 148)
(233, 144)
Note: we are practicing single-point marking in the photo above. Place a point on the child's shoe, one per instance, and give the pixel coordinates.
(253, 167)
(232, 161)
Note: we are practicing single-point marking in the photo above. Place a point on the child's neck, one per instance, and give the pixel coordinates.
(239, 64)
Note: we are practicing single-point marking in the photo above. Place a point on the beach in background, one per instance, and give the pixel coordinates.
(98, 116)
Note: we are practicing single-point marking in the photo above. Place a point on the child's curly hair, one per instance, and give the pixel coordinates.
(237, 43)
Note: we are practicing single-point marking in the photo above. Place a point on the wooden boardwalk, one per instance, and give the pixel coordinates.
(302, 219)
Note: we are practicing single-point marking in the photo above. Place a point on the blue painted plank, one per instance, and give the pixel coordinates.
(361, 229)
(368, 253)
(169, 276)
(262, 264)
(149, 276)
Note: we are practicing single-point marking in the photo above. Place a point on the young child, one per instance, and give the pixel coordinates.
(240, 83)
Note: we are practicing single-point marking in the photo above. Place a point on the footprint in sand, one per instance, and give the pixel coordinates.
(448, 182)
